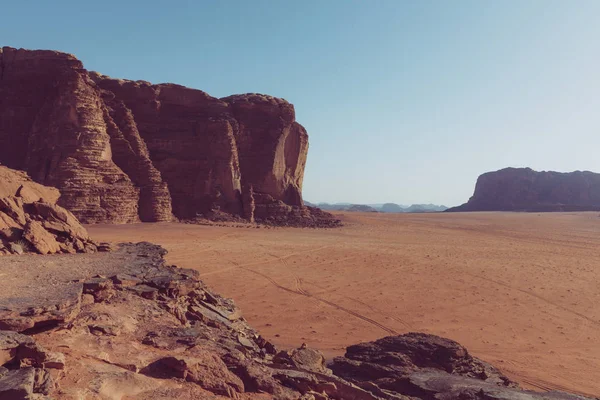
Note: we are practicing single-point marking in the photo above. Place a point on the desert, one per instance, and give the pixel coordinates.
(517, 289)
(315, 200)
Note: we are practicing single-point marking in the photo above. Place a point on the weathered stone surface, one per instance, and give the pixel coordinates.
(303, 358)
(523, 189)
(427, 367)
(31, 223)
(17, 384)
(23, 367)
(205, 369)
(42, 240)
(19, 184)
(121, 151)
(396, 356)
(13, 207)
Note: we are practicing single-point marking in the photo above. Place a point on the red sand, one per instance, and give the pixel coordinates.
(518, 290)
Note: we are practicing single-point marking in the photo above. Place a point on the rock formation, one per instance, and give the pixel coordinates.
(523, 189)
(30, 220)
(123, 151)
(123, 324)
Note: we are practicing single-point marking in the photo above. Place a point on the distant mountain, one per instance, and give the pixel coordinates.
(523, 189)
(425, 208)
(334, 207)
(391, 208)
(361, 208)
(385, 208)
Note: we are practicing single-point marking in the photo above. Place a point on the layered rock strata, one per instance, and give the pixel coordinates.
(123, 151)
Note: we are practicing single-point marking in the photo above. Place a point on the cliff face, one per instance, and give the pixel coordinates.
(123, 151)
(523, 189)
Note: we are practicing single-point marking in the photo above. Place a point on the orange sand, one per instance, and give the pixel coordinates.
(521, 291)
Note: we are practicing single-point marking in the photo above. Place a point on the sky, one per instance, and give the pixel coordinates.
(404, 101)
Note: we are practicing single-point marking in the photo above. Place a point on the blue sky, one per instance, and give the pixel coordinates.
(404, 101)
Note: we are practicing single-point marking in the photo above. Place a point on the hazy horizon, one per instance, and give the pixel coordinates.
(404, 102)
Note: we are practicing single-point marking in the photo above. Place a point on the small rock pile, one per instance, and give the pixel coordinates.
(31, 221)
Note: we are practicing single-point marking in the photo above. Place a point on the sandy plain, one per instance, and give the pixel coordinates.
(521, 291)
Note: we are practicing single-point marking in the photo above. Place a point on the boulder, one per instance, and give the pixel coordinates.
(42, 240)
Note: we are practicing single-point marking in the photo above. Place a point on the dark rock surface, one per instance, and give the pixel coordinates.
(427, 367)
(523, 189)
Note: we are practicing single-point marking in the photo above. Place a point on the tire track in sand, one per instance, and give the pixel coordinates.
(319, 299)
(537, 296)
(298, 283)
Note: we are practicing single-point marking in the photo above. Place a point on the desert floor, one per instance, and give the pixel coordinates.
(521, 291)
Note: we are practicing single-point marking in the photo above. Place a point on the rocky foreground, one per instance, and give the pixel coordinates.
(523, 189)
(123, 325)
(31, 221)
(127, 151)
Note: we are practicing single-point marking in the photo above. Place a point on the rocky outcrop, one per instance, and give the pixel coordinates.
(125, 325)
(123, 151)
(25, 371)
(31, 221)
(523, 189)
(427, 367)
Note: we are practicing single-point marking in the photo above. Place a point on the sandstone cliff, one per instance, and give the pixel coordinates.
(523, 189)
(123, 151)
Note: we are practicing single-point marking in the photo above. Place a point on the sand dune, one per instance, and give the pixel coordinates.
(518, 290)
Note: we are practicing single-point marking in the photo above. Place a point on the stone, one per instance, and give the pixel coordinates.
(16, 248)
(9, 343)
(58, 219)
(205, 369)
(42, 240)
(17, 384)
(13, 207)
(18, 184)
(303, 358)
(105, 247)
(125, 280)
(388, 363)
(523, 189)
(7, 223)
(145, 291)
(123, 151)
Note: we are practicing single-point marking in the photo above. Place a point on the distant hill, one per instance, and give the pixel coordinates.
(523, 189)
(385, 208)
(361, 208)
(391, 208)
(425, 208)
